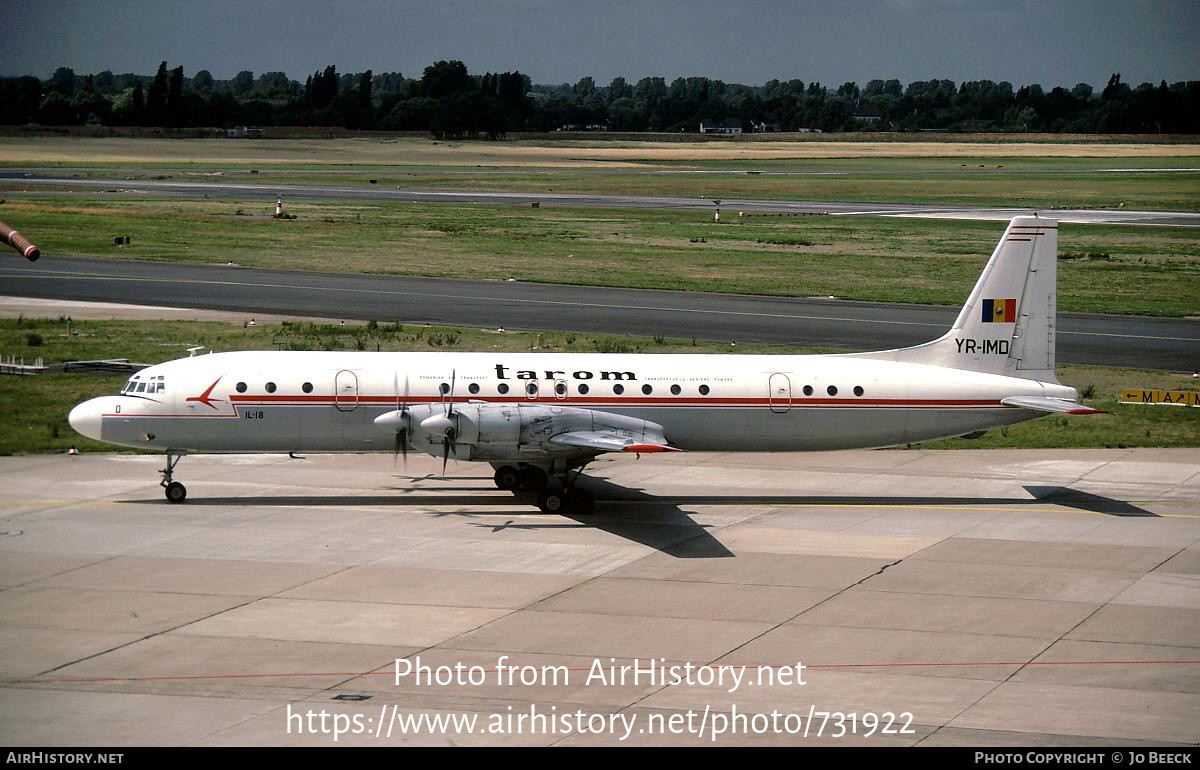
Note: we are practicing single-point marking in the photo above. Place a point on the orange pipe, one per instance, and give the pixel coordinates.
(19, 242)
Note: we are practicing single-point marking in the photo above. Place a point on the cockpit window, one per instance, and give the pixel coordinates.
(136, 385)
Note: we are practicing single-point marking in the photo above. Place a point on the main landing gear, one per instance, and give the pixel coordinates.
(569, 500)
(557, 494)
(176, 492)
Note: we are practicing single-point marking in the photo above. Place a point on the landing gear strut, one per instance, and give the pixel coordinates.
(562, 496)
(176, 492)
(534, 479)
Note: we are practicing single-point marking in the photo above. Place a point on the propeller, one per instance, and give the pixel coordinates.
(446, 424)
(400, 418)
(449, 404)
(450, 433)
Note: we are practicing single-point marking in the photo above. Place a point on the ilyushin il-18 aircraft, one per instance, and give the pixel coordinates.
(540, 418)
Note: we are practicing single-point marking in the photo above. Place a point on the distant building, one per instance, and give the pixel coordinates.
(976, 125)
(867, 113)
(764, 127)
(726, 126)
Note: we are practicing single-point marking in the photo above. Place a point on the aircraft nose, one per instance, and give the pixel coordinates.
(85, 419)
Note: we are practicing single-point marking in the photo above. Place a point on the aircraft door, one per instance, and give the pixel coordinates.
(780, 389)
(345, 391)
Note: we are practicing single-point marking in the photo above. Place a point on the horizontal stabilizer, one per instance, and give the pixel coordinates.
(1042, 404)
(603, 441)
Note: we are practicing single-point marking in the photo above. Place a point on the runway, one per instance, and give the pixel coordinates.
(1000, 597)
(1127, 341)
(170, 188)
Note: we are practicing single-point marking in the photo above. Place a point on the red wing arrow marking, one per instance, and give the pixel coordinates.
(205, 398)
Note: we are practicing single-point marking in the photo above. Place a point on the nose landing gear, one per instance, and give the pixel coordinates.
(176, 492)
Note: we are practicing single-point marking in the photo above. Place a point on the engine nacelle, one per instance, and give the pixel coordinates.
(515, 432)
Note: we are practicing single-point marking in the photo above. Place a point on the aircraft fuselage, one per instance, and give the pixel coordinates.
(328, 401)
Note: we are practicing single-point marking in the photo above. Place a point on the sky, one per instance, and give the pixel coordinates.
(1052, 42)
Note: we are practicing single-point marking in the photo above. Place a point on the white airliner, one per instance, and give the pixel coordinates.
(539, 418)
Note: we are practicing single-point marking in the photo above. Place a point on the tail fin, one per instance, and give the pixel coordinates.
(1007, 324)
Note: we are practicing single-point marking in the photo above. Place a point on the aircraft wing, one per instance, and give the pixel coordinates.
(1042, 404)
(605, 441)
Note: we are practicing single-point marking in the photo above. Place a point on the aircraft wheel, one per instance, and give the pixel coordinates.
(176, 492)
(533, 479)
(507, 477)
(581, 502)
(552, 502)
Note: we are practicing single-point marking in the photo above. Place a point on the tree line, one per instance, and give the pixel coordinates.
(448, 101)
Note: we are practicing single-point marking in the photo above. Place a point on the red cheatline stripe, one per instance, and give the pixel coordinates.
(620, 400)
(1019, 239)
(654, 404)
(811, 666)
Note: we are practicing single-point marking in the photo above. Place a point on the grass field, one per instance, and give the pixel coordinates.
(1111, 269)
(35, 417)
(988, 172)
(988, 182)
(549, 152)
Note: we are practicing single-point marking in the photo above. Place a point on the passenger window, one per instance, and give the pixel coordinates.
(704, 390)
(583, 388)
(444, 388)
(858, 391)
(618, 389)
(676, 390)
(531, 388)
(560, 389)
(270, 387)
(831, 390)
(241, 387)
(473, 388)
(647, 389)
(808, 390)
(306, 387)
(502, 388)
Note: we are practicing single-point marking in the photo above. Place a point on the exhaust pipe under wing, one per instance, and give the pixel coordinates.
(19, 242)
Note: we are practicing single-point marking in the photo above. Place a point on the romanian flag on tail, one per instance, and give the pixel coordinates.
(999, 311)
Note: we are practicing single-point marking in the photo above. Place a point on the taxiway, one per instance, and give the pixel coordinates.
(1002, 597)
